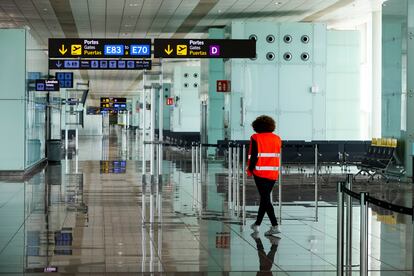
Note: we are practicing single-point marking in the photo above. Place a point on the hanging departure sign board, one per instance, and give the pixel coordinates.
(204, 48)
(99, 48)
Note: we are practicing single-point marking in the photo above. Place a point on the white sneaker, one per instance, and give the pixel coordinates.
(254, 227)
(274, 230)
(273, 240)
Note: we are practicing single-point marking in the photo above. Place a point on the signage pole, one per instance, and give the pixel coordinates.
(143, 127)
(316, 182)
(160, 122)
(152, 133)
(66, 123)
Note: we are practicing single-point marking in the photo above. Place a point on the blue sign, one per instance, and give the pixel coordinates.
(114, 50)
(141, 50)
(130, 64)
(104, 64)
(65, 79)
(112, 64)
(121, 64)
(40, 87)
(71, 64)
(94, 63)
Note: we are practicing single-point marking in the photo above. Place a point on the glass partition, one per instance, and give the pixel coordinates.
(36, 102)
(394, 67)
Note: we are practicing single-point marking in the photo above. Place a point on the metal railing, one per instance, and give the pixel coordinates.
(344, 191)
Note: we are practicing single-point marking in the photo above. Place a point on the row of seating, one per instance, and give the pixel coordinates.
(329, 152)
(379, 157)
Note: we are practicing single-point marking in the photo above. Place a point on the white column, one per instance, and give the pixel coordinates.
(376, 73)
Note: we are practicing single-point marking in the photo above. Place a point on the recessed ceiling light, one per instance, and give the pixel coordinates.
(278, 3)
(45, 9)
(133, 5)
(219, 11)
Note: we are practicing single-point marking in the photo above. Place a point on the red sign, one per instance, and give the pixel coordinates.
(223, 86)
(170, 101)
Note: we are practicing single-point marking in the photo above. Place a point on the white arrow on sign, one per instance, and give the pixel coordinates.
(58, 64)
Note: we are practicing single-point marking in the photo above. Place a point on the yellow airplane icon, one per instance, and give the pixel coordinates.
(181, 50)
(76, 49)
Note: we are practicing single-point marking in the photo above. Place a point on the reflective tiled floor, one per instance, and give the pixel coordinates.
(92, 214)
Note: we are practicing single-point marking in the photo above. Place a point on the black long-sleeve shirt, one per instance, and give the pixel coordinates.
(253, 155)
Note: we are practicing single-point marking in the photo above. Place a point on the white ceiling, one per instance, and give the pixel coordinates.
(157, 18)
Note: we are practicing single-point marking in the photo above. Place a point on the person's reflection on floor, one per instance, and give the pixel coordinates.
(266, 260)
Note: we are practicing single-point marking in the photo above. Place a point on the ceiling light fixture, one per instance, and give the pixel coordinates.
(133, 5)
(278, 3)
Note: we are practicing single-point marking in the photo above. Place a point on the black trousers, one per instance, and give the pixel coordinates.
(265, 186)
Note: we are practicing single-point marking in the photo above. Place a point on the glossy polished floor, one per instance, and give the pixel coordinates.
(92, 215)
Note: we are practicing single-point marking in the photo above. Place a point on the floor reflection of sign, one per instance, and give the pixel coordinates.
(63, 242)
(115, 167)
(222, 240)
(50, 269)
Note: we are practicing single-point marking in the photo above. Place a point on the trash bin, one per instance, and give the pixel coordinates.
(54, 150)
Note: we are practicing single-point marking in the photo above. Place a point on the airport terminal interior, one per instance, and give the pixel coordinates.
(126, 128)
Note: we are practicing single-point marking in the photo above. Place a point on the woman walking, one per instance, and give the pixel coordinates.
(263, 164)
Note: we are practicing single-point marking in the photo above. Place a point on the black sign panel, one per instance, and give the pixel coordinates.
(47, 85)
(113, 104)
(99, 48)
(99, 64)
(204, 48)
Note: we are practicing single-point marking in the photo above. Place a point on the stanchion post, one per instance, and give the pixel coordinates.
(348, 233)
(363, 239)
(230, 177)
(200, 150)
(238, 179)
(316, 182)
(244, 183)
(340, 230)
(234, 177)
(192, 159)
(280, 187)
(196, 161)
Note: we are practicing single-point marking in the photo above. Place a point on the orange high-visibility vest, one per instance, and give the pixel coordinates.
(268, 155)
